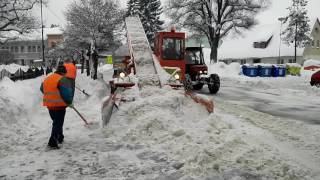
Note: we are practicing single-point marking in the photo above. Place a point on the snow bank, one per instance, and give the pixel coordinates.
(223, 70)
(18, 101)
(311, 62)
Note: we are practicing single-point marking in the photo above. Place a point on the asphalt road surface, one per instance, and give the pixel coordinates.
(276, 104)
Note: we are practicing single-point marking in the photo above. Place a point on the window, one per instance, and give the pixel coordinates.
(39, 48)
(280, 61)
(29, 49)
(172, 49)
(53, 44)
(312, 43)
(256, 61)
(22, 49)
(193, 57)
(11, 48)
(292, 61)
(243, 61)
(34, 49)
(16, 49)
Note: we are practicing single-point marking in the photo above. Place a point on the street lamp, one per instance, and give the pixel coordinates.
(282, 19)
(44, 62)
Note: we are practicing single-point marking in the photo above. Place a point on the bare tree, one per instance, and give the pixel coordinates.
(16, 18)
(93, 20)
(215, 18)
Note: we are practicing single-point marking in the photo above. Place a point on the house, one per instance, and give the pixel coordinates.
(26, 49)
(263, 44)
(313, 51)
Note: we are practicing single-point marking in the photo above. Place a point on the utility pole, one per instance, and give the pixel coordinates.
(43, 59)
(295, 43)
(281, 21)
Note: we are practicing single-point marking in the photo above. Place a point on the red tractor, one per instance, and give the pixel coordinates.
(170, 50)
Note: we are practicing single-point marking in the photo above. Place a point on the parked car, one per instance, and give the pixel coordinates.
(315, 79)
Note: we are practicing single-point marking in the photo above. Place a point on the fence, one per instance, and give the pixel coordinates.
(22, 75)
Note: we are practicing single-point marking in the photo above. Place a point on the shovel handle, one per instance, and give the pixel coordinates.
(85, 121)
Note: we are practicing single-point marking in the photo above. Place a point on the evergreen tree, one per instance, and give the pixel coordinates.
(149, 12)
(298, 28)
(155, 24)
(133, 8)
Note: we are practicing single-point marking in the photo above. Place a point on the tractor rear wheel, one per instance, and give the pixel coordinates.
(214, 83)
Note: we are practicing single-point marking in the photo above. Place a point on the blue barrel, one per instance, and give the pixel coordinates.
(251, 71)
(278, 71)
(265, 71)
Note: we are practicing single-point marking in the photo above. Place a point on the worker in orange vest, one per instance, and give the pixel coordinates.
(71, 72)
(57, 96)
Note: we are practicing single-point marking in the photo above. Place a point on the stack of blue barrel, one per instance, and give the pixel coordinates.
(264, 71)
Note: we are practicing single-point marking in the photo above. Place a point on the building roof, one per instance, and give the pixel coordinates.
(242, 47)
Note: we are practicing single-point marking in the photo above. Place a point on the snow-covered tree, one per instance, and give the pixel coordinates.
(298, 28)
(149, 12)
(133, 8)
(16, 18)
(215, 18)
(96, 21)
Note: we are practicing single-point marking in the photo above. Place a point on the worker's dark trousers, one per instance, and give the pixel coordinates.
(57, 117)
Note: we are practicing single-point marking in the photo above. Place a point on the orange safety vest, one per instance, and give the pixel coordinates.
(71, 70)
(51, 94)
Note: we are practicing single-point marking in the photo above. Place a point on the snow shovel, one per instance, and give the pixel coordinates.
(85, 121)
(83, 91)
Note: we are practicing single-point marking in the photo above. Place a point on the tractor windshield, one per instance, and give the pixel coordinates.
(193, 57)
(172, 49)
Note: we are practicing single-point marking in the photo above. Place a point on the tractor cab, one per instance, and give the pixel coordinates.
(195, 62)
(169, 48)
(184, 64)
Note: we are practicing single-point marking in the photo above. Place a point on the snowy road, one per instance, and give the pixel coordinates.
(287, 102)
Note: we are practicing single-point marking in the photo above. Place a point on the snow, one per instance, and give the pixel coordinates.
(242, 47)
(311, 62)
(160, 133)
(13, 68)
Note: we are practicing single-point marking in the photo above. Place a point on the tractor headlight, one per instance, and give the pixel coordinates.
(200, 72)
(177, 76)
(122, 75)
(205, 72)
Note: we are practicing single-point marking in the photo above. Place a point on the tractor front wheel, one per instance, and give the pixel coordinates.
(214, 83)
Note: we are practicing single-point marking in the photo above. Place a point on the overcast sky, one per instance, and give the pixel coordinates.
(53, 14)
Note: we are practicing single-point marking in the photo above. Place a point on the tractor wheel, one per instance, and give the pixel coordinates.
(317, 85)
(214, 83)
(188, 83)
(198, 86)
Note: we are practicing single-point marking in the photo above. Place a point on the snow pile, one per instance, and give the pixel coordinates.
(12, 68)
(224, 70)
(17, 101)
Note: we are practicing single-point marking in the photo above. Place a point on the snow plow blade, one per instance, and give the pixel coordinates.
(208, 103)
(107, 109)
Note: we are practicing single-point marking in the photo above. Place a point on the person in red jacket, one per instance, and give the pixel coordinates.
(57, 96)
(71, 72)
